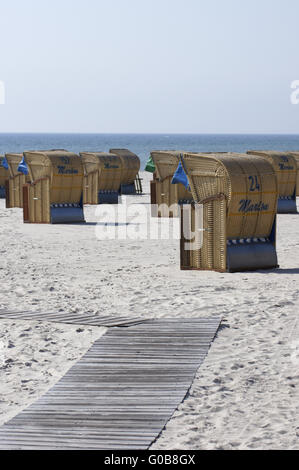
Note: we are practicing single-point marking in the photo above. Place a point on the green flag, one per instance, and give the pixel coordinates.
(150, 166)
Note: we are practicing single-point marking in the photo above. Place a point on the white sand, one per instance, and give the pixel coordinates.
(34, 356)
(246, 394)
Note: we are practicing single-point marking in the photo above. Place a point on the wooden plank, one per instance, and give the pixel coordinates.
(63, 317)
(121, 393)
(76, 319)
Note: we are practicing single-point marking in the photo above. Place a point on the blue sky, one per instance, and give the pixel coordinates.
(198, 66)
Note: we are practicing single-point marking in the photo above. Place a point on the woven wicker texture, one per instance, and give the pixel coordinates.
(130, 165)
(64, 171)
(285, 167)
(3, 173)
(102, 172)
(166, 162)
(13, 160)
(296, 156)
(244, 194)
(167, 194)
(37, 202)
(16, 180)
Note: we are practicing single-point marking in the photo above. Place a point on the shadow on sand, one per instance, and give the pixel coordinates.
(102, 224)
(281, 271)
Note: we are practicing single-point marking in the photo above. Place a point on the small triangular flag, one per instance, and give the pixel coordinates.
(180, 177)
(23, 168)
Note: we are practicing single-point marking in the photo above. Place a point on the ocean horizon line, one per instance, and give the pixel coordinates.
(154, 133)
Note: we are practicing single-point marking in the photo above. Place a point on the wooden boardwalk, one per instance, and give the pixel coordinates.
(121, 393)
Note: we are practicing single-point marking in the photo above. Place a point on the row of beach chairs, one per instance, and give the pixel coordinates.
(52, 186)
(240, 196)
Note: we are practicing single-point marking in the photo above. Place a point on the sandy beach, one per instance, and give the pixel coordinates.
(246, 394)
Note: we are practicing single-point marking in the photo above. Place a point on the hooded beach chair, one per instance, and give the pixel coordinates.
(15, 181)
(3, 176)
(55, 192)
(102, 177)
(296, 156)
(238, 197)
(130, 166)
(166, 196)
(285, 167)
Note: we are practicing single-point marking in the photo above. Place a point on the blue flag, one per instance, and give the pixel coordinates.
(4, 163)
(180, 177)
(23, 168)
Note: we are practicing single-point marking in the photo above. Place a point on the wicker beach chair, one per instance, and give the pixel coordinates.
(165, 196)
(3, 177)
(285, 166)
(55, 192)
(296, 156)
(238, 196)
(102, 177)
(130, 179)
(15, 181)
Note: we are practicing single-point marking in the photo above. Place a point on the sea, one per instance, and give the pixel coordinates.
(143, 144)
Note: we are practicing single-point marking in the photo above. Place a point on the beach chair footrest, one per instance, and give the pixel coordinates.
(286, 206)
(128, 189)
(108, 197)
(251, 256)
(66, 215)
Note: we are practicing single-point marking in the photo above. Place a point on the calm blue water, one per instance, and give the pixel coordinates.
(142, 144)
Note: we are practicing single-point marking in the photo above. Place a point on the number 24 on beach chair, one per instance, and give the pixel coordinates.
(238, 195)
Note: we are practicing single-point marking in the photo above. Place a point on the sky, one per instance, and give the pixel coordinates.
(149, 66)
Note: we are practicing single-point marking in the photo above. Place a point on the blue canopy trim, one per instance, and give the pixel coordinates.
(4, 163)
(180, 177)
(23, 168)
